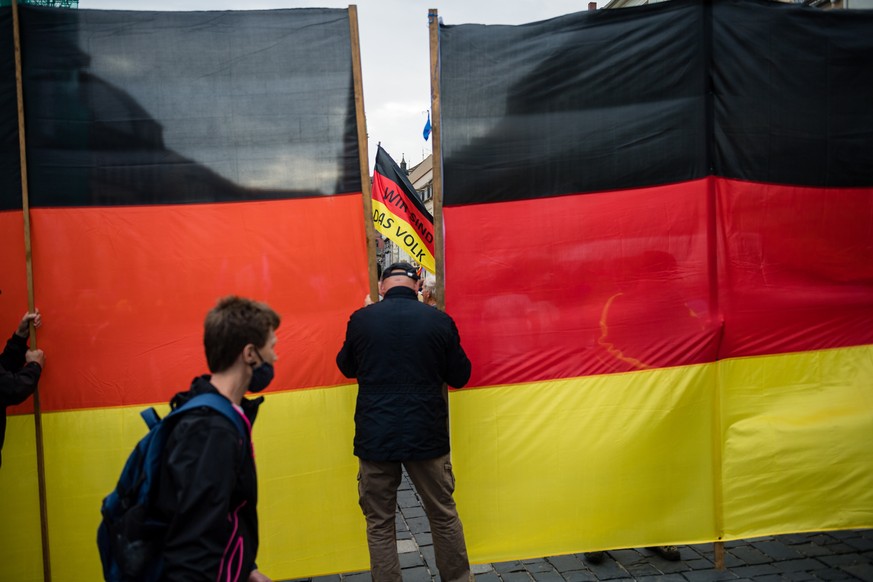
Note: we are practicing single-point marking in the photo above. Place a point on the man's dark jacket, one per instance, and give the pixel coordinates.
(402, 351)
(17, 379)
(208, 493)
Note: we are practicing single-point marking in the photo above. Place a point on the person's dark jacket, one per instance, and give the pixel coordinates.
(208, 493)
(17, 379)
(402, 352)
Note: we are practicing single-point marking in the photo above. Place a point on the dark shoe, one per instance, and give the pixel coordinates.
(670, 553)
(594, 557)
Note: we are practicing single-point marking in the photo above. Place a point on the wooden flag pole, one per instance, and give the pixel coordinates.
(439, 257)
(718, 493)
(363, 153)
(437, 158)
(714, 310)
(28, 256)
(719, 555)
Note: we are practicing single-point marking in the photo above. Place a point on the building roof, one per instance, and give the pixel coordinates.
(421, 171)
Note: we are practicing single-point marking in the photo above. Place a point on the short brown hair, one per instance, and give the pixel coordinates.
(231, 325)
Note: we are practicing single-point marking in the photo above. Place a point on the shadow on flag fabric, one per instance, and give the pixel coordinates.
(399, 214)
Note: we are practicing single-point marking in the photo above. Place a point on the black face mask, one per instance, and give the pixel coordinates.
(262, 375)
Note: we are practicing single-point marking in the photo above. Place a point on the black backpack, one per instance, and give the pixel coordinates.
(128, 538)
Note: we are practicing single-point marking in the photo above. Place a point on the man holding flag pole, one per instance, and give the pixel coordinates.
(402, 352)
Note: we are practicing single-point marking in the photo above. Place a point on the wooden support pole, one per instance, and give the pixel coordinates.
(717, 436)
(719, 555)
(437, 158)
(31, 305)
(433, 21)
(363, 153)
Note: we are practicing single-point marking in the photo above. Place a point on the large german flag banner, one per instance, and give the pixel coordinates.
(399, 214)
(174, 158)
(659, 254)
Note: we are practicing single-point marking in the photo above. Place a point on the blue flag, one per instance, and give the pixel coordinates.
(426, 132)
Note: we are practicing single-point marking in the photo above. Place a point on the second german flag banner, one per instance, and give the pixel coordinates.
(673, 205)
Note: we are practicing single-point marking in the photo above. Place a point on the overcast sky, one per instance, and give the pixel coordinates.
(394, 52)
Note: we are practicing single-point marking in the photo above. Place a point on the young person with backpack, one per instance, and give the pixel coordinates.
(186, 505)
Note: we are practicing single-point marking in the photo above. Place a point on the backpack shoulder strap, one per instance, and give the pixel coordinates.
(218, 403)
(151, 417)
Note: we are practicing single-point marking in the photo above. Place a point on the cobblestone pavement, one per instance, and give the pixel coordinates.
(843, 555)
